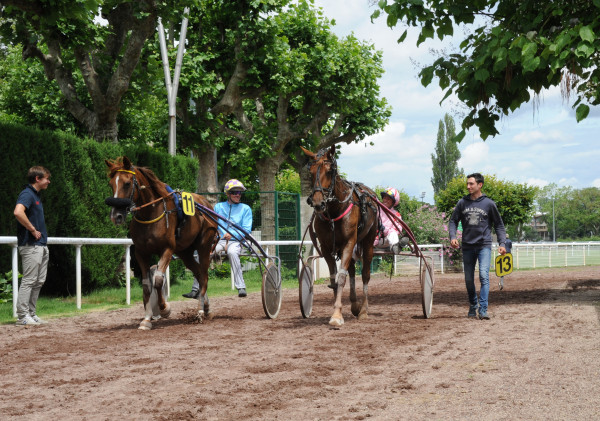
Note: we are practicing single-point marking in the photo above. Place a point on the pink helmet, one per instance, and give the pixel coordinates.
(393, 194)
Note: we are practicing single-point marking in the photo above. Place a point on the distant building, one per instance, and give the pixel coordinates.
(538, 224)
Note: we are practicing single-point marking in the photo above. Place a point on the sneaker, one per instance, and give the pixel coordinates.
(38, 320)
(242, 292)
(483, 315)
(27, 321)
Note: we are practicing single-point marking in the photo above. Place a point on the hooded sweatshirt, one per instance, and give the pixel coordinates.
(477, 217)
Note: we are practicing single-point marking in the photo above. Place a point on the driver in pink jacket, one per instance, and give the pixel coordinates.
(391, 235)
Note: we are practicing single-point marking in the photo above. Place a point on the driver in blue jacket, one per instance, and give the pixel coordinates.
(240, 214)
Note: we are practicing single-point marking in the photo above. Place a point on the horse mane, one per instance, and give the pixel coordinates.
(157, 186)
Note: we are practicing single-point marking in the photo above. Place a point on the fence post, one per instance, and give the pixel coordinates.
(127, 275)
(276, 197)
(78, 275)
(15, 277)
(298, 216)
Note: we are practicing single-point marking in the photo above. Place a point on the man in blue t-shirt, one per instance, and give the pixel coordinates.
(32, 238)
(240, 214)
(478, 213)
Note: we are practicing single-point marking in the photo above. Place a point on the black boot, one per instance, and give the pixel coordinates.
(192, 294)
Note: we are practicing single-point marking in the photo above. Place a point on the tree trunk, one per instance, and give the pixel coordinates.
(207, 172)
(267, 170)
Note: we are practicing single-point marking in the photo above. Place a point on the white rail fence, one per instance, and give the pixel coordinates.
(548, 255)
(78, 243)
(525, 256)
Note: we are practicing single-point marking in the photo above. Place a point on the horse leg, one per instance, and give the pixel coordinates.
(200, 270)
(332, 273)
(159, 282)
(366, 276)
(354, 302)
(337, 319)
(146, 323)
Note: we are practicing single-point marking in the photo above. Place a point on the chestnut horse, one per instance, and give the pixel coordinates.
(153, 231)
(346, 215)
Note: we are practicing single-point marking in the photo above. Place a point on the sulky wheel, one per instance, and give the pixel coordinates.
(271, 291)
(306, 284)
(426, 278)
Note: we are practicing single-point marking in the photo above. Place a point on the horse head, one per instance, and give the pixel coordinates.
(121, 174)
(323, 170)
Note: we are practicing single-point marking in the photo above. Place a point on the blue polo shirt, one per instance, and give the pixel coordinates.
(30, 198)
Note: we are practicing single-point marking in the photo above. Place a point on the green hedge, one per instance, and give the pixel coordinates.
(74, 201)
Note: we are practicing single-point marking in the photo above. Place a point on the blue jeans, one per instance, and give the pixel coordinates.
(470, 258)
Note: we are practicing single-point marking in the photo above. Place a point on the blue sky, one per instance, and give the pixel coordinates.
(537, 146)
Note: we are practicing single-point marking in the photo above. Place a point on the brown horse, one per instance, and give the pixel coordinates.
(153, 231)
(346, 215)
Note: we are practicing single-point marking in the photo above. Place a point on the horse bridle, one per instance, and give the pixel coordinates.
(327, 193)
(129, 204)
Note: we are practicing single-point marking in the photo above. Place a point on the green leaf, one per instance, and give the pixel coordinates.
(587, 34)
(582, 112)
(426, 76)
(459, 137)
(584, 50)
(529, 49)
(531, 64)
(482, 75)
(402, 37)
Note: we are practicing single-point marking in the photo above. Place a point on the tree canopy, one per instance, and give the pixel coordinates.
(514, 48)
(91, 48)
(515, 201)
(445, 159)
(576, 211)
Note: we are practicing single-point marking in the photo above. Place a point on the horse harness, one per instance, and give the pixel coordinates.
(329, 196)
(133, 208)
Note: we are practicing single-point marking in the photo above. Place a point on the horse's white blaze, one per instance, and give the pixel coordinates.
(116, 186)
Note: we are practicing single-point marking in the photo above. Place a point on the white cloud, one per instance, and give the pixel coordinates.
(537, 182)
(536, 137)
(385, 142)
(572, 181)
(596, 183)
(474, 156)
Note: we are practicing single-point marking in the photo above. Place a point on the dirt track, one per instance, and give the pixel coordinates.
(537, 359)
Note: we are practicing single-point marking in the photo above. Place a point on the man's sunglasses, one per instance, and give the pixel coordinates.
(235, 193)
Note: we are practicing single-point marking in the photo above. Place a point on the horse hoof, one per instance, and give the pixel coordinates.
(355, 310)
(336, 322)
(210, 316)
(200, 316)
(166, 312)
(145, 325)
(363, 316)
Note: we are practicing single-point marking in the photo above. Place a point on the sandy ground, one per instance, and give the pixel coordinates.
(537, 359)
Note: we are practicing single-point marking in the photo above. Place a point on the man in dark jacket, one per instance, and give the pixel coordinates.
(32, 238)
(477, 213)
